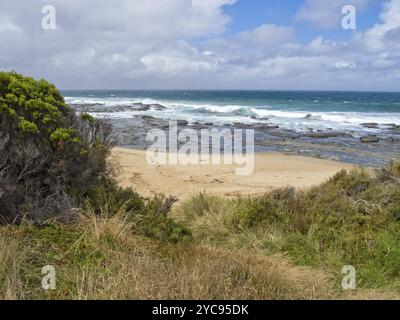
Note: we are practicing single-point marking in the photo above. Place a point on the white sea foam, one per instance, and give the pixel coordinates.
(109, 102)
(359, 118)
(279, 114)
(225, 114)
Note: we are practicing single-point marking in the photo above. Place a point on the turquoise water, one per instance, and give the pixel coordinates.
(299, 111)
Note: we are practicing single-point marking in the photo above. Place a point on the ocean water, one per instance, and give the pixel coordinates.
(297, 111)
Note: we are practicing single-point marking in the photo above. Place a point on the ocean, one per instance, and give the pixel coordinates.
(294, 110)
(361, 128)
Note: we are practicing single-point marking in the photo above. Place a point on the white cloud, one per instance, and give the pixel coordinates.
(181, 44)
(321, 46)
(180, 61)
(376, 37)
(207, 17)
(8, 25)
(267, 35)
(172, 65)
(99, 38)
(326, 14)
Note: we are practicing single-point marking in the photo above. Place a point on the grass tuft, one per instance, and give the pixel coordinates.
(352, 219)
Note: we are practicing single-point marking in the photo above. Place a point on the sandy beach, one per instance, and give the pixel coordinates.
(272, 171)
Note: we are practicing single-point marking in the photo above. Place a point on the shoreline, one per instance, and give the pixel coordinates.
(366, 144)
(131, 133)
(272, 171)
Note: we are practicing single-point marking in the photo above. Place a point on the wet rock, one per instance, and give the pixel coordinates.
(324, 135)
(238, 125)
(391, 139)
(182, 123)
(141, 107)
(369, 139)
(147, 117)
(267, 127)
(371, 125)
(198, 126)
(395, 127)
(158, 106)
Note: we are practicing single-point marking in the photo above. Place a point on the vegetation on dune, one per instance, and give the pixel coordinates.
(149, 218)
(60, 206)
(285, 245)
(49, 156)
(352, 219)
(109, 262)
(52, 161)
(115, 249)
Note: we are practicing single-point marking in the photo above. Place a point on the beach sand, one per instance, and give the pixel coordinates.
(271, 171)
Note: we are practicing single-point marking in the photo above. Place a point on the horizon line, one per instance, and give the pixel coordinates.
(245, 90)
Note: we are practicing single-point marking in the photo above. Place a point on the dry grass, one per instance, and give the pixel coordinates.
(105, 260)
(139, 268)
(12, 259)
(213, 222)
(352, 219)
(104, 225)
(198, 273)
(132, 267)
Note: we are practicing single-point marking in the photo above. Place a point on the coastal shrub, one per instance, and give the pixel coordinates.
(390, 172)
(352, 219)
(53, 160)
(49, 156)
(108, 198)
(199, 204)
(150, 218)
(154, 221)
(256, 212)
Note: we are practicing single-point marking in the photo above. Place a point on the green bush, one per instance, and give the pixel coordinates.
(108, 199)
(49, 156)
(150, 218)
(52, 160)
(154, 221)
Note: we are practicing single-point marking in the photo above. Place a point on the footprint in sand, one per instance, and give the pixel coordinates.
(218, 181)
(135, 177)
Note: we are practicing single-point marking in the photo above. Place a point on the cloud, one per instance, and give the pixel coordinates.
(182, 44)
(99, 38)
(367, 61)
(381, 36)
(326, 14)
(321, 46)
(180, 61)
(7, 24)
(267, 35)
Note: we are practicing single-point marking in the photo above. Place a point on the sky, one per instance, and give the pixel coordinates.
(204, 44)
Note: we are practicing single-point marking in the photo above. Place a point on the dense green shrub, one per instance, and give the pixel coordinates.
(150, 218)
(154, 221)
(52, 160)
(49, 156)
(108, 199)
